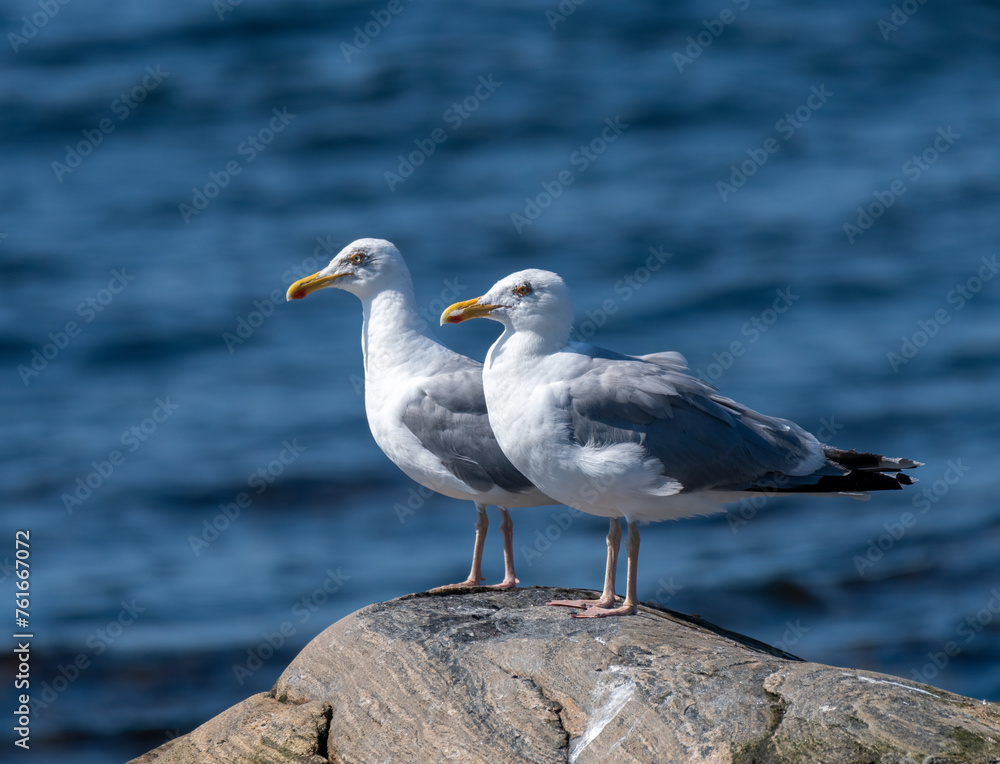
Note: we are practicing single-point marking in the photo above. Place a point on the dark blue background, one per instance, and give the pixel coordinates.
(788, 575)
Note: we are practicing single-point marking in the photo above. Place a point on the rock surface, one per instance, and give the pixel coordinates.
(485, 676)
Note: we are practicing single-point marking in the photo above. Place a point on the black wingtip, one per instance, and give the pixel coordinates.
(867, 461)
(853, 481)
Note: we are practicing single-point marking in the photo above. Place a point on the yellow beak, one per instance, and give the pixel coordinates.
(462, 311)
(302, 287)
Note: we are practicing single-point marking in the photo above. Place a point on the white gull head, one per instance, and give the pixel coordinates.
(363, 268)
(532, 301)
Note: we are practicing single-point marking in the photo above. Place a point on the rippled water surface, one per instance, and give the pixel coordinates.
(802, 199)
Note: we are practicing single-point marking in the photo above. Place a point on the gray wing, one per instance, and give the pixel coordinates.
(703, 440)
(448, 416)
(668, 359)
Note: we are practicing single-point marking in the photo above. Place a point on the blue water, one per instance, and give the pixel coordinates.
(165, 358)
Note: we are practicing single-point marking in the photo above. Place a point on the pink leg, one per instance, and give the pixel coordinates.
(608, 596)
(507, 529)
(631, 604)
(476, 574)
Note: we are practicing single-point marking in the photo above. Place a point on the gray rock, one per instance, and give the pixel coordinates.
(260, 730)
(485, 676)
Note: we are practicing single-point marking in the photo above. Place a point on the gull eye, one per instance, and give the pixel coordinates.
(522, 291)
(357, 258)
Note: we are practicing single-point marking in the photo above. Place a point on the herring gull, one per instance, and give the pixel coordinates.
(637, 437)
(424, 402)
